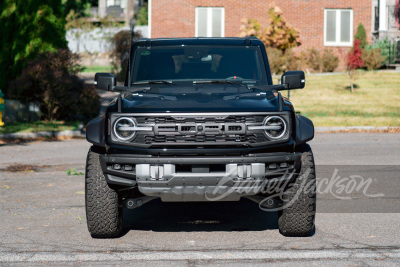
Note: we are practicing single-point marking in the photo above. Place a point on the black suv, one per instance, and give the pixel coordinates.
(199, 119)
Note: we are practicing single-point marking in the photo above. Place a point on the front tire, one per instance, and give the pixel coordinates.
(103, 212)
(298, 216)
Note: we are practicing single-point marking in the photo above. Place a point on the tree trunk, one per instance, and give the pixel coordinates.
(351, 81)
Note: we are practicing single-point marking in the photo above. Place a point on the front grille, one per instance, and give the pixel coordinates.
(148, 139)
(201, 129)
(200, 119)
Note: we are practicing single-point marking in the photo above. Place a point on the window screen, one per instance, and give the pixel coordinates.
(210, 22)
(338, 27)
(345, 26)
(331, 26)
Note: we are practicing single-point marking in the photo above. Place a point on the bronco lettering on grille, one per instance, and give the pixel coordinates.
(200, 128)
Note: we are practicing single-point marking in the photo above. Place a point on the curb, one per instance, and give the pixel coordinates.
(75, 133)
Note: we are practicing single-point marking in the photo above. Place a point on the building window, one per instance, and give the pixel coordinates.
(338, 27)
(210, 22)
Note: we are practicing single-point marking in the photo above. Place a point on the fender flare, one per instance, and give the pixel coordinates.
(304, 130)
(95, 131)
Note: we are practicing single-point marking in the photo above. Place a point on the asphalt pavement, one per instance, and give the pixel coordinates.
(43, 217)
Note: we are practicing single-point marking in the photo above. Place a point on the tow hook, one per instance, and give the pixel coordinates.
(132, 203)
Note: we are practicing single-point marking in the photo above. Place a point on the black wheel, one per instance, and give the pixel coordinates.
(298, 214)
(103, 212)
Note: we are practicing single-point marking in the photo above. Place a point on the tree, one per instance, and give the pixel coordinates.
(28, 27)
(361, 35)
(354, 60)
(80, 7)
(250, 27)
(278, 34)
(142, 15)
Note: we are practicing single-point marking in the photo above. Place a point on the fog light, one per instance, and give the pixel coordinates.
(284, 165)
(128, 167)
(116, 167)
(272, 166)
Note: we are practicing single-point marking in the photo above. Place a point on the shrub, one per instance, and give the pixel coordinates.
(314, 59)
(277, 61)
(386, 46)
(372, 58)
(51, 80)
(329, 61)
(361, 35)
(277, 34)
(293, 62)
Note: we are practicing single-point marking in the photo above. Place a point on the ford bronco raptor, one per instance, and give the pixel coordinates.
(199, 119)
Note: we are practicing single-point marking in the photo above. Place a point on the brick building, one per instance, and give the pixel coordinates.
(322, 24)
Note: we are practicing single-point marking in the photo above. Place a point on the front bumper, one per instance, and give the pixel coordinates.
(199, 178)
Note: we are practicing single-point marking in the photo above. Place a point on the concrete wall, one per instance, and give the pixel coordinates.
(97, 40)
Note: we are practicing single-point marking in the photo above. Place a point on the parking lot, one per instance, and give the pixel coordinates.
(43, 217)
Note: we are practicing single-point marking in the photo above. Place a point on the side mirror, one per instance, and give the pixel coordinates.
(105, 81)
(293, 80)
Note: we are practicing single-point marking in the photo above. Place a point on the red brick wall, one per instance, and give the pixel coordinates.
(176, 18)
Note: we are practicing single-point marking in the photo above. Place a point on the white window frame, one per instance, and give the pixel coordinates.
(338, 28)
(209, 20)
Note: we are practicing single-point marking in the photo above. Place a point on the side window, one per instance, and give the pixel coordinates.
(210, 22)
(338, 27)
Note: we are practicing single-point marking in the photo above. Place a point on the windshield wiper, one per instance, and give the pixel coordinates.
(150, 95)
(232, 97)
(221, 82)
(152, 82)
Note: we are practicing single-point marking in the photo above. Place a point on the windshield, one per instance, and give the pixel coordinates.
(199, 63)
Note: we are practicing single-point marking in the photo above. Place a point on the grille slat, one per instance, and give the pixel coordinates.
(199, 138)
(227, 119)
(182, 129)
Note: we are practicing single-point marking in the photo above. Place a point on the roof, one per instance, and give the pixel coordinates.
(235, 41)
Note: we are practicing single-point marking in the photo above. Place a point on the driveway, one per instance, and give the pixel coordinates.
(43, 217)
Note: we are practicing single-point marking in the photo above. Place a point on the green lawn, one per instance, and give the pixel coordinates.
(327, 100)
(38, 126)
(97, 69)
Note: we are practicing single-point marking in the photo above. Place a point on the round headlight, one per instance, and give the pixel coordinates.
(121, 128)
(279, 130)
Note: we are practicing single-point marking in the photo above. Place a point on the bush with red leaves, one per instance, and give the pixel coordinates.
(51, 79)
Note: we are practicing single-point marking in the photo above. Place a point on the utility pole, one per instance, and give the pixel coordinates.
(129, 12)
(102, 8)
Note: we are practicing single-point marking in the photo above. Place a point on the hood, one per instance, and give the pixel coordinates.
(244, 102)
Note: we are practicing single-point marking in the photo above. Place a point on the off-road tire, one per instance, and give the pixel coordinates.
(103, 212)
(298, 218)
